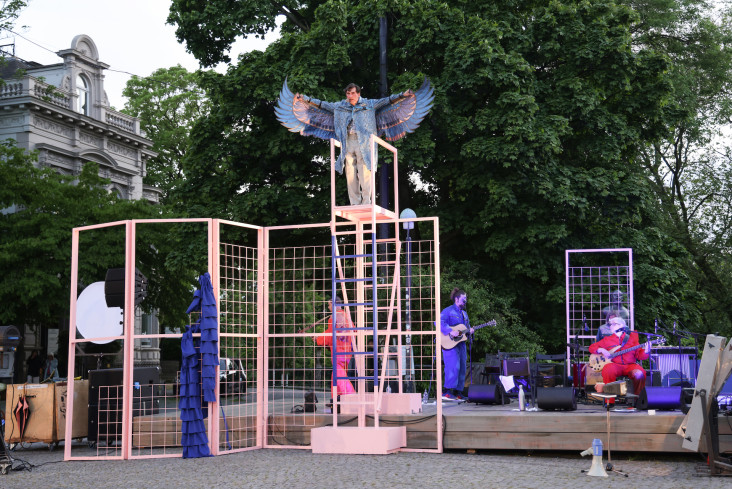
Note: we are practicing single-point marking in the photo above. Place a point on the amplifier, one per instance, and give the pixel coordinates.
(516, 366)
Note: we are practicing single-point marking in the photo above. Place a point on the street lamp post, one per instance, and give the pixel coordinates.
(408, 226)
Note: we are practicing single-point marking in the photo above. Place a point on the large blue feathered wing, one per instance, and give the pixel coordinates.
(393, 121)
(303, 117)
(396, 120)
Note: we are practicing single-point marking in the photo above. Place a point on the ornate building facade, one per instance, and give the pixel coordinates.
(62, 111)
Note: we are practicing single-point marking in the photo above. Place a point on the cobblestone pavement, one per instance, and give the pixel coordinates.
(302, 469)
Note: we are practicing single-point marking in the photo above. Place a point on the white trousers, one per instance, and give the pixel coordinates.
(357, 175)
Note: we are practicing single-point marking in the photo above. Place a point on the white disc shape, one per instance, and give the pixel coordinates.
(93, 318)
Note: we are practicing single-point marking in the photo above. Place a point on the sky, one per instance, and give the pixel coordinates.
(131, 36)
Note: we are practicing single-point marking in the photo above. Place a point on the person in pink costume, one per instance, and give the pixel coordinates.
(343, 345)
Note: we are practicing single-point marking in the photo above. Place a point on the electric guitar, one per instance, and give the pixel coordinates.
(597, 361)
(449, 342)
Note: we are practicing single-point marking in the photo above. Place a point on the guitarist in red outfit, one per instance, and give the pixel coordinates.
(626, 364)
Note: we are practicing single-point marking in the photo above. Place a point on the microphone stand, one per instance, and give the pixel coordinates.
(574, 349)
(470, 360)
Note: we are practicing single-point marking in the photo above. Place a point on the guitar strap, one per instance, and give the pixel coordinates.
(623, 342)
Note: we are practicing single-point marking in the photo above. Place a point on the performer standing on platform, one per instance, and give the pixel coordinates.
(355, 122)
(627, 363)
(352, 122)
(454, 359)
(343, 345)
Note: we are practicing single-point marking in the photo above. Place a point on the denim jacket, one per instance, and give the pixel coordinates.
(452, 316)
(363, 115)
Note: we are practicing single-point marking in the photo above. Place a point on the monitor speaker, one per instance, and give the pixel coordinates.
(660, 398)
(551, 398)
(487, 394)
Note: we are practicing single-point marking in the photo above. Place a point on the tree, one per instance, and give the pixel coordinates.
(532, 146)
(167, 102)
(688, 167)
(41, 207)
(9, 12)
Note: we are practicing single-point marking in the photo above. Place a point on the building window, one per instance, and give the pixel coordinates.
(82, 90)
(147, 326)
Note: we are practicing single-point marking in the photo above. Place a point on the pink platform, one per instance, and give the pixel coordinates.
(367, 440)
(391, 403)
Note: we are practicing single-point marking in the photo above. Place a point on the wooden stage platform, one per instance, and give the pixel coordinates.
(474, 426)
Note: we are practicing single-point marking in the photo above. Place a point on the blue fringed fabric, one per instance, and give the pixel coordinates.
(195, 389)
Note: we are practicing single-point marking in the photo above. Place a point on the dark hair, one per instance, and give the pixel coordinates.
(353, 85)
(456, 292)
(336, 299)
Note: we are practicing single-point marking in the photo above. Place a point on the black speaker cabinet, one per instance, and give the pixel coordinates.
(660, 398)
(114, 287)
(105, 400)
(653, 379)
(487, 394)
(551, 398)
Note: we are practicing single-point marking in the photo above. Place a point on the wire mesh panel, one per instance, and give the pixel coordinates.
(129, 393)
(301, 393)
(599, 285)
(298, 386)
(274, 308)
(238, 327)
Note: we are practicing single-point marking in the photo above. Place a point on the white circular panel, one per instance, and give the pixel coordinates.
(93, 318)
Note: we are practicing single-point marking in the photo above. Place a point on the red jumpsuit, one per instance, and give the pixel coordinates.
(625, 364)
(343, 345)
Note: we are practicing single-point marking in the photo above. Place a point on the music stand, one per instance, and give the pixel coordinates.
(608, 400)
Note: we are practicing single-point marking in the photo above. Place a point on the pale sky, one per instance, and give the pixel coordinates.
(131, 36)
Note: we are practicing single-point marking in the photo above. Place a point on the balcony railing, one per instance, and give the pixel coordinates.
(33, 87)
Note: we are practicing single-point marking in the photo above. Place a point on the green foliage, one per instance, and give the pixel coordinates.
(41, 207)
(689, 167)
(485, 304)
(167, 103)
(9, 12)
(532, 146)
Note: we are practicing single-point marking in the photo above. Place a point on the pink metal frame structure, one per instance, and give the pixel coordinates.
(592, 275)
(268, 295)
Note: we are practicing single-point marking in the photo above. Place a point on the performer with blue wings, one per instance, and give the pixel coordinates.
(351, 122)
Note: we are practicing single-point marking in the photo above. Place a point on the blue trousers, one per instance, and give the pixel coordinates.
(454, 364)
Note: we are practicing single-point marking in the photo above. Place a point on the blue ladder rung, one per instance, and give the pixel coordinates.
(365, 255)
(354, 353)
(356, 378)
(356, 328)
(347, 280)
(353, 304)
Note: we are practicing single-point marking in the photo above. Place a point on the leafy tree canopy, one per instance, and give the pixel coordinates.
(41, 207)
(531, 148)
(167, 102)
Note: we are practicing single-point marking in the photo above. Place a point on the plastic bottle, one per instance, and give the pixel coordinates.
(388, 388)
(522, 398)
(425, 398)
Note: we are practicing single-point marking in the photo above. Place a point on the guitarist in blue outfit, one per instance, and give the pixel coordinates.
(454, 359)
